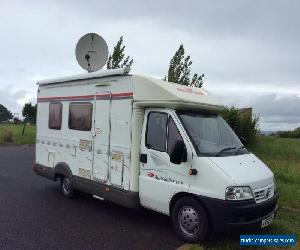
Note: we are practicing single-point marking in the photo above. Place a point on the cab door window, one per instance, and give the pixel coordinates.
(156, 134)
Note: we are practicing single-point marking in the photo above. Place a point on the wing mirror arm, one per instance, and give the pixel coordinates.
(243, 140)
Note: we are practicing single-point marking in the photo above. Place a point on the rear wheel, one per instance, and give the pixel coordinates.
(190, 220)
(66, 187)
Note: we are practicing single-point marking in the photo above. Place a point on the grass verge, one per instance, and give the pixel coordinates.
(12, 134)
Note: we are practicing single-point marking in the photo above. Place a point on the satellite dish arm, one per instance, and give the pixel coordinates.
(87, 58)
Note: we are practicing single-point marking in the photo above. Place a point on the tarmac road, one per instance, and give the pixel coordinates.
(34, 215)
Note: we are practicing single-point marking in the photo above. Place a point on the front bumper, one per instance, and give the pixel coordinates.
(239, 214)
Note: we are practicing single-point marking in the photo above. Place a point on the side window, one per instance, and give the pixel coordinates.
(80, 116)
(173, 135)
(156, 133)
(55, 115)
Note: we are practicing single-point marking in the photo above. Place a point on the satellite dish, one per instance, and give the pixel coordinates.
(91, 52)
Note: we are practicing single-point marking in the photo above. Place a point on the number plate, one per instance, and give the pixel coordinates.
(267, 221)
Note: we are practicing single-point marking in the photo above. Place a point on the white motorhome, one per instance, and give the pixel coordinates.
(139, 141)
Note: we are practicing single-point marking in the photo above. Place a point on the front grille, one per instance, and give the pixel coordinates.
(263, 194)
(259, 195)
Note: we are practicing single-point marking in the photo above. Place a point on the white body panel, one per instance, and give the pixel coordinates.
(89, 154)
(110, 152)
(245, 170)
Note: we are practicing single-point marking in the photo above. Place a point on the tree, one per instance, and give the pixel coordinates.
(29, 112)
(180, 70)
(243, 125)
(116, 59)
(5, 114)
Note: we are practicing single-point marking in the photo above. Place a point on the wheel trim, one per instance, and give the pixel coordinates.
(188, 220)
(66, 186)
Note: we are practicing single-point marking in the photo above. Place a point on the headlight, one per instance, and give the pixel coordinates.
(238, 193)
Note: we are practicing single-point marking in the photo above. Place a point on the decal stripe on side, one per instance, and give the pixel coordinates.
(114, 96)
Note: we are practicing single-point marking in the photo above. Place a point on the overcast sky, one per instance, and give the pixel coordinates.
(249, 51)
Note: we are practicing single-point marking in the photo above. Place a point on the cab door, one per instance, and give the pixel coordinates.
(159, 178)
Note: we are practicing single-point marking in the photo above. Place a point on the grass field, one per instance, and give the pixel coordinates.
(12, 134)
(281, 155)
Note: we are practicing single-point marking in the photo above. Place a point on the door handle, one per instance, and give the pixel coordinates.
(143, 158)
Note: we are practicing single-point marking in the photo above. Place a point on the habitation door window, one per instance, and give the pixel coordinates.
(156, 133)
(80, 116)
(55, 115)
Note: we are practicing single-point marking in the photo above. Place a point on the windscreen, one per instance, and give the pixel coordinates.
(211, 135)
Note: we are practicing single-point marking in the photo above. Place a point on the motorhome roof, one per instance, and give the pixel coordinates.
(149, 91)
(97, 74)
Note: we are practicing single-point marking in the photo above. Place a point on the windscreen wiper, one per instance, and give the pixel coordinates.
(224, 149)
(239, 149)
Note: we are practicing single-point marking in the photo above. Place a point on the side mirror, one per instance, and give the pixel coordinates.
(179, 153)
(243, 140)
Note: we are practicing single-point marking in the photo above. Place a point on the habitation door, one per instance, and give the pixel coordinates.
(101, 136)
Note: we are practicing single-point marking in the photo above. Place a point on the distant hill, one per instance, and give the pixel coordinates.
(268, 132)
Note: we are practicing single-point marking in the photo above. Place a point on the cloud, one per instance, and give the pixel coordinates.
(275, 111)
(248, 50)
(15, 100)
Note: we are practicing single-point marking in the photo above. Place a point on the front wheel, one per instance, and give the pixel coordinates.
(190, 220)
(66, 187)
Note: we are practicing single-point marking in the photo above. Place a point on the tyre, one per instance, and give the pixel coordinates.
(190, 220)
(66, 187)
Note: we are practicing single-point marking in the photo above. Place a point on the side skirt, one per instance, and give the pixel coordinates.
(116, 195)
(122, 197)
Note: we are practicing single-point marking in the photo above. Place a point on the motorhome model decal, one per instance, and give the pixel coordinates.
(85, 173)
(117, 156)
(151, 174)
(191, 91)
(98, 131)
(162, 178)
(114, 96)
(85, 145)
(117, 161)
(117, 168)
(51, 158)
